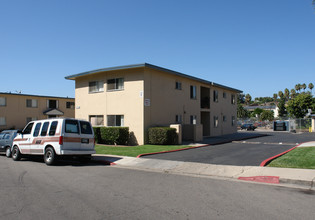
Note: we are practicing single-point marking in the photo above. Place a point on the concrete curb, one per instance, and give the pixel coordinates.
(273, 175)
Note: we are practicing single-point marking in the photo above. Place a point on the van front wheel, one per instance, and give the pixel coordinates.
(50, 156)
(16, 155)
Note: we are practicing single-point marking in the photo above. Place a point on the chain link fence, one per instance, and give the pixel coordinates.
(292, 125)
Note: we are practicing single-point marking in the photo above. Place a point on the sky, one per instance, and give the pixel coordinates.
(259, 47)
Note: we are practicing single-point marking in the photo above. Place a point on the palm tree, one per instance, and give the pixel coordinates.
(303, 86)
(280, 94)
(287, 93)
(248, 99)
(297, 87)
(311, 86)
(293, 93)
(275, 95)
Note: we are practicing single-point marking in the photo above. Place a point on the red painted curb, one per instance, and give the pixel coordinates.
(261, 179)
(267, 161)
(187, 148)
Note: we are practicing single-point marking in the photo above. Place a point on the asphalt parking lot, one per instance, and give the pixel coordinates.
(250, 152)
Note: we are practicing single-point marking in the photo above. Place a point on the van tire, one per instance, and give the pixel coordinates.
(8, 152)
(16, 154)
(50, 156)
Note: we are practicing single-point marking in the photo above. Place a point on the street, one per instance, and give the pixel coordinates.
(32, 190)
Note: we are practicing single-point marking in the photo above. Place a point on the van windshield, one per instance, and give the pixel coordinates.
(72, 126)
(85, 127)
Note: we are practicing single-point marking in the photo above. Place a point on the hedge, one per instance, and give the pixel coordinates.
(111, 135)
(162, 135)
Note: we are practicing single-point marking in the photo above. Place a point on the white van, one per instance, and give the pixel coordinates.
(53, 138)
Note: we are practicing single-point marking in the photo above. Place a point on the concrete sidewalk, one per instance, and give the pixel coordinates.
(301, 177)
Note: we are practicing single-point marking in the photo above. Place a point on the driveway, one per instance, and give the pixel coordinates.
(250, 152)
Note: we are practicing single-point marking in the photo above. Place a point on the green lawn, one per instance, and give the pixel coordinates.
(301, 157)
(134, 151)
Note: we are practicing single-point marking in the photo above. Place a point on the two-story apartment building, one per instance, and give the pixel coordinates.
(141, 96)
(16, 109)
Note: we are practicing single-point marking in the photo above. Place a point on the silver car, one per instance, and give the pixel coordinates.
(6, 139)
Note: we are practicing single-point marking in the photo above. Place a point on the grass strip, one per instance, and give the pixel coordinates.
(301, 157)
(133, 151)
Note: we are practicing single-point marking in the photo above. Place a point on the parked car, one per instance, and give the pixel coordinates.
(6, 139)
(248, 127)
(54, 138)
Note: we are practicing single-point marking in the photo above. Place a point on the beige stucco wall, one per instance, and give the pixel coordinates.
(16, 112)
(166, 102)
(127, 102)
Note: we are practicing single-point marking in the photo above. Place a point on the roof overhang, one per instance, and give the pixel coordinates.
(147, 65)
(53, 112)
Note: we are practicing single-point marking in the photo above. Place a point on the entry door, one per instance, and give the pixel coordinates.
(26, 139)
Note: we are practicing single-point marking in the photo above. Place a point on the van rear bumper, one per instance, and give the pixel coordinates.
(76, 152)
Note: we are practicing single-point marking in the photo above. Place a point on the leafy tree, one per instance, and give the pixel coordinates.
(257, 112)
(281, 108)
(311, 86)
(299, 106)
(241, 98)
(242, 112)
(248, 98)
(267, 115)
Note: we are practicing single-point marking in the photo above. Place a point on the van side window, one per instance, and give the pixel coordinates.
(28, 128)
(72, 126)
(53, 128)
(36, 130)
(44, 129)
(85, 127)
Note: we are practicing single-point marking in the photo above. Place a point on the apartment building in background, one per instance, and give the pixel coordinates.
(16, 109)
(141, 96)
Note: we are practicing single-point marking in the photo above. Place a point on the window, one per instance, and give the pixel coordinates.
(178, 85)
(178, 119)
(233, 120)
(53, 128)
(115, 84)
(97, 120)
(224, 95)
(224, 118)
(29, 119)
(72, 126)
(215, 95)
(233, 99)
(193, 92)
(85, 127)
(96, 86)
(51, 103)
(36, 130)
(31, 103)
(70, 105)
(44, 129)
(3, 101)
(3, 121)
(216, 121)
(193, 119)
(115, 120)
(28, 128)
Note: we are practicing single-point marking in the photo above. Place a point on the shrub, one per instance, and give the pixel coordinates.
(162, 135)
(114, 135)
(97, 134)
